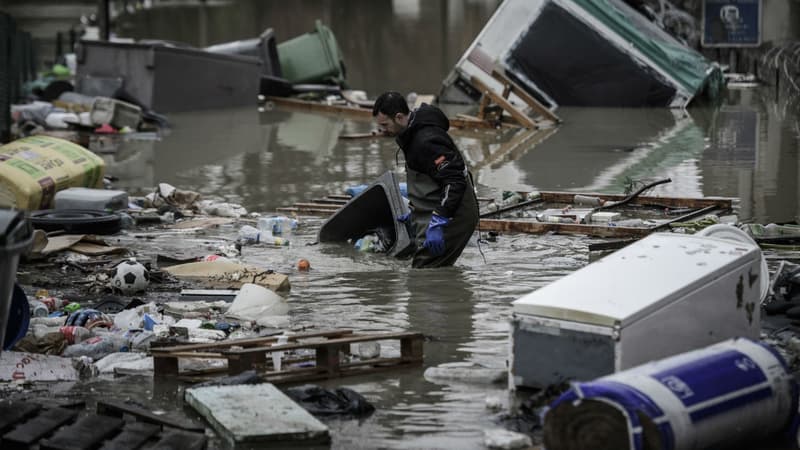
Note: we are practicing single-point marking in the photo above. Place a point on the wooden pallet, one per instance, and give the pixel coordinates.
(26, 425)
(696, 207)
(328, 348)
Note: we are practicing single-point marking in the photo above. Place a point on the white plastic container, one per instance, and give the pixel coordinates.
(735, 391)
(605, 217)
(663, 295)
(93, 199)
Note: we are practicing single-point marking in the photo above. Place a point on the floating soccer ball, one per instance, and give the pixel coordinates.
(130, 277)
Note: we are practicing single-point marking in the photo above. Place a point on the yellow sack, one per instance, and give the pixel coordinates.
(34, 168)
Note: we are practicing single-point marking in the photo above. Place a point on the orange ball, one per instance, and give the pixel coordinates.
(303, 265)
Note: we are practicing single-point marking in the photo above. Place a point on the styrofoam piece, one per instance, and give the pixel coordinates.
(465, 372)
(605, 216)
(19, 366)
(256, 413)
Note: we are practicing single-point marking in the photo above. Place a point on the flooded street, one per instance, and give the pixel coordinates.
(274, 158)
(268, 157)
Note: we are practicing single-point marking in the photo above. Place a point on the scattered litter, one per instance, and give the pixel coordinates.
(465, 372)
(129, 362)
(324, 402)
(504, 439)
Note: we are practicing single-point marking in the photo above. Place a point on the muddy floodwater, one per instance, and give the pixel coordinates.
(269, 157)
(275, 158)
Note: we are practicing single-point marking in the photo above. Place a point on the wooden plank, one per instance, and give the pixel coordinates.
(247, 342)
(132, 437)
(325, 343)
(672, 202)
(172, 440)
(412, 347)
(328, 359)
(356, 113)
(521, 226)
(84, 434)
(326, 206)
(165, 366)
(518, 115)
(303, 105)
(31, 431)
(332, 201)
(685, 217)
(498, 75)
(348, 370)
(315, 211)
(118, 409)
(13, 412)
(240, 363)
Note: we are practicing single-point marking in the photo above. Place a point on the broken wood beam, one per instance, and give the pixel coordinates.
(523, 226)
(512, 110)
(510, 86)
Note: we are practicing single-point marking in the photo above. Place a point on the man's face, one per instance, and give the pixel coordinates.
(391, 126)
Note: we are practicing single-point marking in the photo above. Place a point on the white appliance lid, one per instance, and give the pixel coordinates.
(636, 280)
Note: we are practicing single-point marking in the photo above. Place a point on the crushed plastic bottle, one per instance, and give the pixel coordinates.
(277, 225)
(75, 335)
(97, 347)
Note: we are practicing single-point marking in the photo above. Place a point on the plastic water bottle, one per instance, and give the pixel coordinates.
(587, 200)
(277, 224)
(278, 356)
(38, 309)
(97, 347)
(366, 243)
(75, 335)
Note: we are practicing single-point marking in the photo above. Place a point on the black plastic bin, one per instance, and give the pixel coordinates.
(262, 47)
(16, 236)
(377, 206)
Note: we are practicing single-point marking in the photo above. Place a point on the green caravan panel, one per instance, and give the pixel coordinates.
(686, 66)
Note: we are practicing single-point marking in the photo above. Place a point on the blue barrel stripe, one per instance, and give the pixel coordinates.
(730, 404)
(711, 377)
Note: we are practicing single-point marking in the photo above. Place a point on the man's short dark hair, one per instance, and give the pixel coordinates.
(389, 104)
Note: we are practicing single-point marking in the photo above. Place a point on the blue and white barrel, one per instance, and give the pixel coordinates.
(730, 392)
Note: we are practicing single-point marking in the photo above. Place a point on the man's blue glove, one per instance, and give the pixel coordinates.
(404, 218)
(434, 235)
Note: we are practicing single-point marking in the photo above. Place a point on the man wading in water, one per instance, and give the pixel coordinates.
(444, 210)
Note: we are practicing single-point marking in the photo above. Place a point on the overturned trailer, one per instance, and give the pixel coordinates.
(581, 53)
